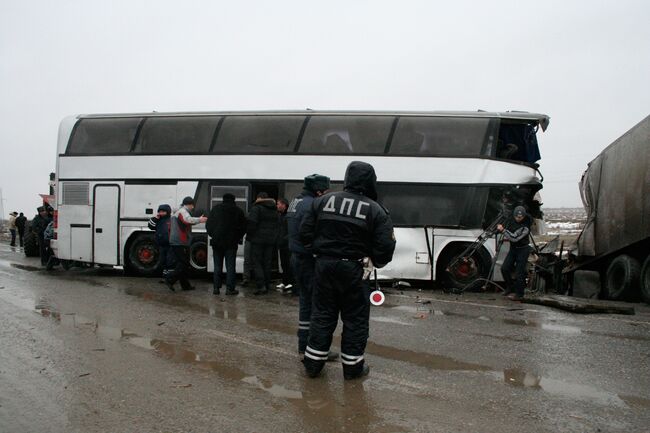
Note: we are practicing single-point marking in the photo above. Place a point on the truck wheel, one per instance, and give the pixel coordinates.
(142, 256)
(645, 280)
(622, 278)
(464, 272)
(30, 244)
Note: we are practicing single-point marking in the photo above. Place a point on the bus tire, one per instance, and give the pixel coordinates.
(645, 280)
(141, 256)
(464, 274)
(622, 278)
(30, 244)
(199, 254)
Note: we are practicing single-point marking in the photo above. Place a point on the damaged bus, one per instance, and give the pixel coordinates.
(444, 177)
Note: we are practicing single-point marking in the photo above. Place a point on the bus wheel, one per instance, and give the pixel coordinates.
(142, 256)
(463, 272)
(622, 278)
(199, 254)
(645, 280)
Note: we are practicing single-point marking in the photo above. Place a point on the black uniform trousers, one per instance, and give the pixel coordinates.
(339, 288)
(516, 261)
(181, 268)
(303, 268)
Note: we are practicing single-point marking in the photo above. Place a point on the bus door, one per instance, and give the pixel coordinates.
(106, 212)
(242, 201)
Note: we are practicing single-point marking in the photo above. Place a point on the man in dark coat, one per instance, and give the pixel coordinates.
(262, 232)
(226, 226)
(345, 230)
(20, 226)
(39, 224)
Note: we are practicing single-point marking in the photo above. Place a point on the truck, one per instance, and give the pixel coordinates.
(615, 241)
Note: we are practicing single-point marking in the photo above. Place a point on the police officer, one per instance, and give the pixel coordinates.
(342, 229)
(516, 231)
(302, 259)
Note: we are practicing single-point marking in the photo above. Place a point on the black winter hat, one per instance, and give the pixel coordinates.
(317, 182)
(227, 197)
(165, 207)
(188, 200)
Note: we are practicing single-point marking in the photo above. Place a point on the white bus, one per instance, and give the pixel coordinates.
(442, 176)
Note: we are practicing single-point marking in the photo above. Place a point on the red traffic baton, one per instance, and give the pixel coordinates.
(377, 297)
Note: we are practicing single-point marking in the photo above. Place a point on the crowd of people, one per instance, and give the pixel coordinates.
(323, 239)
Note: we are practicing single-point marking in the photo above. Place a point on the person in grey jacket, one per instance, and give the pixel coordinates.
(180, 238)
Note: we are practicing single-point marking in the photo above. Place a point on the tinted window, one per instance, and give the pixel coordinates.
(176, 134)
(259, 134)
(439, 136)
(102, 136)
(434, 205)
(346, 134)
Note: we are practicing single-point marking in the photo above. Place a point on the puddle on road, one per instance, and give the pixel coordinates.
(633, 401)
(384, 319)
(228, 310)
(563, 329)
(313, 401)
(422, 359)
(264, 321)
(521, 378)
(316, 404)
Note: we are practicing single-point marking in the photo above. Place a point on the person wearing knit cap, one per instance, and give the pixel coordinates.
(516, 231)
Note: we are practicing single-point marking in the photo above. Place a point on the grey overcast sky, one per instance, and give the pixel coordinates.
(584, 63)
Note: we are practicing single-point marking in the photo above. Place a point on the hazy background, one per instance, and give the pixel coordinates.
(584, 63)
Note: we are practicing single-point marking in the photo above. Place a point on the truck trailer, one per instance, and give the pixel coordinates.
(615, 241)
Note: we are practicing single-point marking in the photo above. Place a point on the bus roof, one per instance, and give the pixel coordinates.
(542, 119)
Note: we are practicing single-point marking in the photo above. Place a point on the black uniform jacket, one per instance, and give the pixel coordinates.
(349, 224)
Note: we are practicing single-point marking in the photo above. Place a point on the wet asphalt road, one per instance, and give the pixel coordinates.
(89, 350)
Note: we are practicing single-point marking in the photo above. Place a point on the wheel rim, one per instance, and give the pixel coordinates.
(465, 270)
(199, 255)
(146, 255)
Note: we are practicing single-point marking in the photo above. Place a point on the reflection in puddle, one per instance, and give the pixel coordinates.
(313, 401)
(428, 360)
(273, 389)
(316, 404)
(547, 326)
(520, 378)
(383, 319)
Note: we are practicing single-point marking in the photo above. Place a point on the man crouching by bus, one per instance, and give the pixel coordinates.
(343, 229)
(179, 239)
